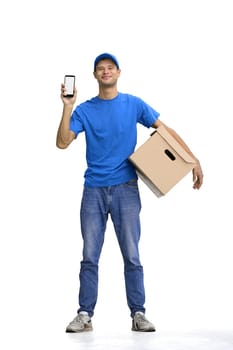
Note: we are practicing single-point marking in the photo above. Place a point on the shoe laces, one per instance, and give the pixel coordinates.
(82, 318)
(140, 317)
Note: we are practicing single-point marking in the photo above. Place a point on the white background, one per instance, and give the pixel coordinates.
(177, 56)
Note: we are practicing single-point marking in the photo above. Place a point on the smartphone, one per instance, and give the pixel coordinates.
(69, 82)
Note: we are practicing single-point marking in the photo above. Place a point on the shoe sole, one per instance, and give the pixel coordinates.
(81, 331)
(143, 330)
(135, 329)
(85, 329)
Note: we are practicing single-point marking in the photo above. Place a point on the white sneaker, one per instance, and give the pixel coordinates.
(141, 324)
(81, 323)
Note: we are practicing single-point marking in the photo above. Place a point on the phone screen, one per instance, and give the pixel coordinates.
(69, 85)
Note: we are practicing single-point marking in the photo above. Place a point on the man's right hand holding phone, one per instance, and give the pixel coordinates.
(68, 100)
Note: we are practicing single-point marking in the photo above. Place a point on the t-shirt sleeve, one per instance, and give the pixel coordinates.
(76, 124)
(146, 114)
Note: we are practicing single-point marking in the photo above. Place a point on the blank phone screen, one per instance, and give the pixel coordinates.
(69, 84)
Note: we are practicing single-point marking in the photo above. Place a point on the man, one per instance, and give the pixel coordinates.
(109, 121)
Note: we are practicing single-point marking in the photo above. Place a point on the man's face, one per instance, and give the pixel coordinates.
(107, 73)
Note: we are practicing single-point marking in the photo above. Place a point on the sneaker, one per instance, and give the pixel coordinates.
(141, 324)
(81, 323)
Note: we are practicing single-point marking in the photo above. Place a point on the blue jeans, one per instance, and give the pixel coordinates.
(123, 204)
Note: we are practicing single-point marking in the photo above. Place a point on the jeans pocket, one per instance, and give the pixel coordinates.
(133, 183)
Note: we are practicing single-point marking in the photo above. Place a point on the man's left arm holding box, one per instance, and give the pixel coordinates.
(197, 170)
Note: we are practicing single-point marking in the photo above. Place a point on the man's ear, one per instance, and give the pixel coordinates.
(94, 73)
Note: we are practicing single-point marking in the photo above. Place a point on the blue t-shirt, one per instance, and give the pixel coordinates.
(110, 128)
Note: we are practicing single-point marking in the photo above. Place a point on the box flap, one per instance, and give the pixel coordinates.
(149, 183)
(161, 130)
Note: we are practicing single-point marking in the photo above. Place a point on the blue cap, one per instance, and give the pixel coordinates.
(106, 56)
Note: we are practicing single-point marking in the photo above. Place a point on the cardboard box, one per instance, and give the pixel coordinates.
(161, 162)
